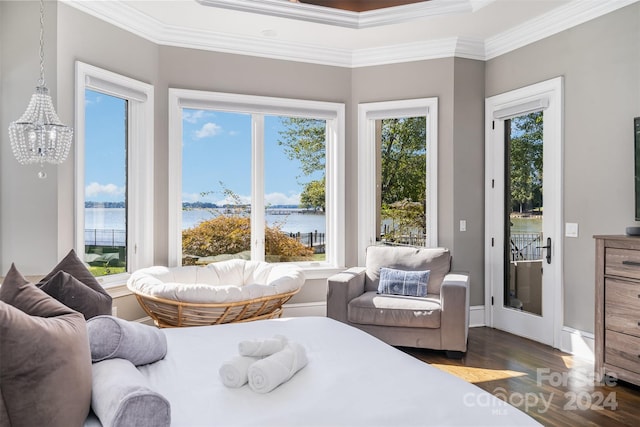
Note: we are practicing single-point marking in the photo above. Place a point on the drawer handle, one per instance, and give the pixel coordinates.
(632, 263)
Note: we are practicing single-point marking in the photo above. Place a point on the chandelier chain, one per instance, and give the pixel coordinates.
(41, 82)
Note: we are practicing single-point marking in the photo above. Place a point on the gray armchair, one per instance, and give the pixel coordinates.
(438, 321)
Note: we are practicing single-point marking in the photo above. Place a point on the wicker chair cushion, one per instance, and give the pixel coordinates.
(222, 282)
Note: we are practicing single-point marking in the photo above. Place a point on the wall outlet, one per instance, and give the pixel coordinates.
(463, 225)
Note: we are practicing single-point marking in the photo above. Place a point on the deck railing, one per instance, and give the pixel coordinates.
(105, 237)
(526, 246)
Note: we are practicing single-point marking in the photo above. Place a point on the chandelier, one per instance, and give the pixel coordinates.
(39, 136)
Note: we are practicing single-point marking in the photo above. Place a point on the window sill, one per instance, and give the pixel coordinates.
(117, 290)
(315, 272)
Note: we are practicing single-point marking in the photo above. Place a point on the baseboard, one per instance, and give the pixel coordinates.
(578, 343)
(476, 316)
(305, 309)
(146, 320)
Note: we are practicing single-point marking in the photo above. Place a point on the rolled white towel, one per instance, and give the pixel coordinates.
(262, 348)
(268, 373)
(234, 372)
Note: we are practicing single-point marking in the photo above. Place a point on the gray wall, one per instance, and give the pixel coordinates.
(28, 205)
(459, 86)
(82, 37)
(221, 72)
(600, 62)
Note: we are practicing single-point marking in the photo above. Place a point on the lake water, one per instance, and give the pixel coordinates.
(293, 222)
(526, 225)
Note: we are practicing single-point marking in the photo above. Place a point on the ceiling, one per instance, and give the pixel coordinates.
(282, 29)
(358, 5)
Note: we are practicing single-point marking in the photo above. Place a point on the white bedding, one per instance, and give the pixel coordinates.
(352, 379)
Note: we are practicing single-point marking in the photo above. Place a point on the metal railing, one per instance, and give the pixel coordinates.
(526, 246)
(105, 237)
(313, 239)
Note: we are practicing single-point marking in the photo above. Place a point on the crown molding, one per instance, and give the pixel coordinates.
(119, 14)
(349, 19)
(253, 46)
(560, 19)
(419, 51)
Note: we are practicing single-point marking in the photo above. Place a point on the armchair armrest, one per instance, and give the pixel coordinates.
(342, 288)
(454, 297)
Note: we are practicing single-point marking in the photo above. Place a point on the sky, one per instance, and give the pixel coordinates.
(216, 155)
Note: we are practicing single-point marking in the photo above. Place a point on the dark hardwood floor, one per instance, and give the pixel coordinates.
(553, 387)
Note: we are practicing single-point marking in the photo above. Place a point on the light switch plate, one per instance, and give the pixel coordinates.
(571, 229)
(463, 225)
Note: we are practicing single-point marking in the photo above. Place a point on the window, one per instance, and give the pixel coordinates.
(114, 172)
(255, 178)
(397, 179)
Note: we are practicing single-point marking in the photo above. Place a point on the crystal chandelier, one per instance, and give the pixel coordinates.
(39, 136)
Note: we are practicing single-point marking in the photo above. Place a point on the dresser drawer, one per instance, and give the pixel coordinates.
(622, 306)
(622, 263)
(622, 350)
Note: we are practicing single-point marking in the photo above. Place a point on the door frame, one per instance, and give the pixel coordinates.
(546, 96)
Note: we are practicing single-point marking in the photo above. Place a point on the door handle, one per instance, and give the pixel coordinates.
(548, 248)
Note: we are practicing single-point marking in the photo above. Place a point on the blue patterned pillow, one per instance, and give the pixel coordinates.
(401, 282)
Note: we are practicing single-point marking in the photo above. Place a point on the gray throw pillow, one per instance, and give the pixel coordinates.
(403, 282)
(76, 288)
(45, 375)
(121, 397)
(111, 337)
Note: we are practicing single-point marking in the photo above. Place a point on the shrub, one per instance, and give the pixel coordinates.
(229, 234)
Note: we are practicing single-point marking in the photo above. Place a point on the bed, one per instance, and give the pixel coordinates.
(351, 379)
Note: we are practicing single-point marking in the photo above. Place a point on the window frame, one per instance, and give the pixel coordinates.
(258, 107)
(368, 113)
(140, 134)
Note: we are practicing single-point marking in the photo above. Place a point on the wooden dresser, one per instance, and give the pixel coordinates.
(617, 319)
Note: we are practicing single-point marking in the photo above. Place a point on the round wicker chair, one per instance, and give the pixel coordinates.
(228, 291)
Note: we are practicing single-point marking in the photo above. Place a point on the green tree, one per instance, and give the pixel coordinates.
(403, 151)
(312, 196)
(403, 165)
(304, 140)
(525, 152)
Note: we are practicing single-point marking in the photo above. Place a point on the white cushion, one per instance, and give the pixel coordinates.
(220, 282)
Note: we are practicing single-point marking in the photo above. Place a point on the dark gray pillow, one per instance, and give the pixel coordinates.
(403, 282)
(45, 378)
(121, 397)
(71, 283)
(111, 337)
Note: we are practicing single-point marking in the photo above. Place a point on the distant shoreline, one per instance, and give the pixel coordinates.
(186, 205)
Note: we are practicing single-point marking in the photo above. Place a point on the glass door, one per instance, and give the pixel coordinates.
(524, 213)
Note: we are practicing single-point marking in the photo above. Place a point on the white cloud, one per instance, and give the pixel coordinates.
(282, 199)
(193, 116)
(95, 189)
(191, 197)
(96, 100)
(246, 200)
(207, 130)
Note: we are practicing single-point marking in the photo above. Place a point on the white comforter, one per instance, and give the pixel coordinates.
(352, 379)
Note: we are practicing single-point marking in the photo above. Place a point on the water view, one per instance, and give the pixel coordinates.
(289, 220)
(526, 225)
